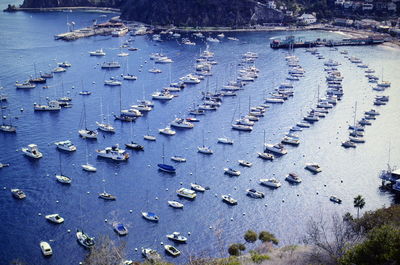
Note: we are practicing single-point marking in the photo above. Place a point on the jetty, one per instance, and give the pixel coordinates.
(108, 28)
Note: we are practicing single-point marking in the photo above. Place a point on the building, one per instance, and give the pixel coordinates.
(307, 19)
(367, 7)
(272, 4)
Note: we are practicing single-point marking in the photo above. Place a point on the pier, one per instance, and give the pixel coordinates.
(104, 29)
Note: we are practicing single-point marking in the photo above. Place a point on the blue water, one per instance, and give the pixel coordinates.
(27, 39)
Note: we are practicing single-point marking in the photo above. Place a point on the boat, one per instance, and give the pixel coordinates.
(232, 172)
(46, 248)
(255, 194)
(313, 167)
(272, 182)
(4, 165)
(228, 199)
(84, 239)
(151, 254)
(164, 167)
(348, 144)
(276, 149)
(134, 146)
(25, 84)
(19, 194)
(372, 112)
(120, 229)
(178, 159)
(32, 151)
(85, 93)
(59, 70)
(183, 192)
(149, 137)
(225, 140)
(46, 75)
(114, 153)
(303, 125)
(182, 123)
(150, 216)
(112, 82)
(99, 52)
(190, 79)
(52, 105)
(89, 167)
(63, 179)
(110, 65)
(54, 218)
(107, 196)
(163, 95)
(85, 133)
(64, 64)
(105, 127)
(241, 127)
(177, 237)
(175, 204)
(131, 113)
(293, 177)
(205, 150)
(197, 187)
(142, 107)
(66, 146)
(167, 131)
(173, 251)
(155, 71)
(335, 199)
(265, 156)
(290, 140)
(245, 163)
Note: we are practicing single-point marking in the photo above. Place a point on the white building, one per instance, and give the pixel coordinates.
(367, 6)
(307, 19)
(271, 4)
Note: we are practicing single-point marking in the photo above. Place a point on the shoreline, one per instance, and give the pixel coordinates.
(67, 8)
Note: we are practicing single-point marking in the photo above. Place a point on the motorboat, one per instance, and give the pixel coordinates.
(8, 128)
(177, 237)
(178, 159)
(85, 133)
(225, 140)
(25, 84)
(114, 153)
(197, 187)
(173, 251)
(107, 196)
(66, 146)
(150, 216)
(372, 112)
(59, 70)
(166, 168)
(63, 179)
(163, 95)
(84, 239)
(293, 177)
(290, 140)
(110, 65)
(228, 199)
(123, 54)
(142, 107)
(120, 229)
(348, 144)
(151, 254)
(52, 105)
(276, 149)
(313, 167)
(232, 172)
(131, 113)
(134, 146)
(175, 204)
(197, 112)
(54, 218)
(303, 125)
(88, 167)
(163, 60)
(265, 156)
(182, 123)
(4, 165)
(296, 129)
(32, 151)
(272, 182)
(190, 79)
(129, 77)
(46, 248)
(85, 93)
(64, 64)
(46, 75)
(167, 131)
(357, 139)
(241, 127)
(112, 82)
(335, 199)
(99, 52)
(255, 194)
(205, 150)
(245, 163)
(187, 193)
(155, 71)
(19, 194)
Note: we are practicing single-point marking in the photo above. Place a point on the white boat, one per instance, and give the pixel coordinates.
(178, 159)
(110, 65)
(99, 52)
(335, 199)
(63, 179)
(167, 131)
(173, 251)
(64, 64)
(163, 95)
(105, 127)
(210, 39)
(303, 125)
(228, 199)
(32, 151)
(151, 254)
(245, 163)
(232, 172)
(123, 54)
(225, 140)
(313, 167)
(129, 77)
(183, 192)
(290, 140)
(255, 194)
(163, 60)
(205, 150)
(52, 105)
(85, 133)
(274, 100)
(150, 216)
(19, 194)
(175, 204)
(107, 196)
(142, 107)
(241, 127)
(88, 167)
(348, 144)
(26, 84)
(266, 156)
(357, 139)
(112, 82)
(149, 137)
(46, 248)
(131, 113)
(197, 187)
(66, 146)
(272, 182)
(182, 123)
(177, 237)
(134, 146)
(190, 79)
(120, 229)
(54, 218)
(233, 38)
(155, 71)
(59, 70)
(85, 93)
(114, 153)
(293, 177)
(84, 239)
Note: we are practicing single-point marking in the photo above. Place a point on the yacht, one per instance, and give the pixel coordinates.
(89, 168)
(255, 194)
(84, 239)
(54, 218)
(142, 107)
(107, 196)
(19, 194)
(183, 192)
(225, 140)
(348, 144)
(32, 151)
(173, 251)
(105, 127)
(241, 127)
(181, 123)
(357, 139)
(149, 137)
(303, 125)
(313, 167)
(265, 156)
(293, 177)
(134, 146)
(63, 179)
(175, 204)
(228, 199)
(155, 71)
(272, 182)
(197, 187)
(112, 82)
(114, 153)
(151, 255)
(59, 70)
(120, 229)
(167, 131)
(335, 199)
(110, 65)
(131, 113)
(163, 95)
(205, 150)
(46, 248)
(129, 77)
(150, 216)
(190, 79)
(52, 105)
(85, 133)
(177, 237)
(245, 163)
(166, 168)
(64, 64)
(178, 159)
(99, 52)
(232, 172)
(290, 140)
(276, 149)
(66, 146)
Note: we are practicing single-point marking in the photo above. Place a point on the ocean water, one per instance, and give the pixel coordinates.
(26, 40)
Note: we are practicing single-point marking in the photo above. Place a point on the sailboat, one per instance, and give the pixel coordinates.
(121, 116)
(9, 128)
(86, 133)
(224, 139)
(148, 136)
(132, 144)
(105, 195)
(355, 136)
(36, 79)
(164, 167)
(105, 127)
(204, 149)
(60, 177)
(127, 75)
(88, 167)
(264, 155)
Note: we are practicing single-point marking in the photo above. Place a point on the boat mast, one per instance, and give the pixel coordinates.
(59, 157)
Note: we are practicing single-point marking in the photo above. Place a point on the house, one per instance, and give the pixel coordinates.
(343, 22)
(367, 7)
(307, 19)
(392, 7)
(271, 4)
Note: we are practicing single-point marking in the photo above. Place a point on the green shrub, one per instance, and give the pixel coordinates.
(265, 236)
(257, 257)
(250, 236)
(236, 249)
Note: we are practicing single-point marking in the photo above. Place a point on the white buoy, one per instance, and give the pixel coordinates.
(216, 195)
(210, 227)
(189, 233)
(265, 205)
(283, 200)
(136, 249)
(69, 230)
(148, 165)
(105, 220)
(57, 201)
(88, 192)
(166, 189)
(180, 183)
(130, 211)
(244, 213)
(156, 198)
(231, 219)
(39, 214)
(190, 173)
(4, 188)
(162, 243)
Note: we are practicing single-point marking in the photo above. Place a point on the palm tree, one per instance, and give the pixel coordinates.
(359, 203)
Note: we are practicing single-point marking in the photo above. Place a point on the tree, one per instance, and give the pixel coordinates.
(250, 236)
(265, 236)
(359, 203)
(236, 249)
(105, 252)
